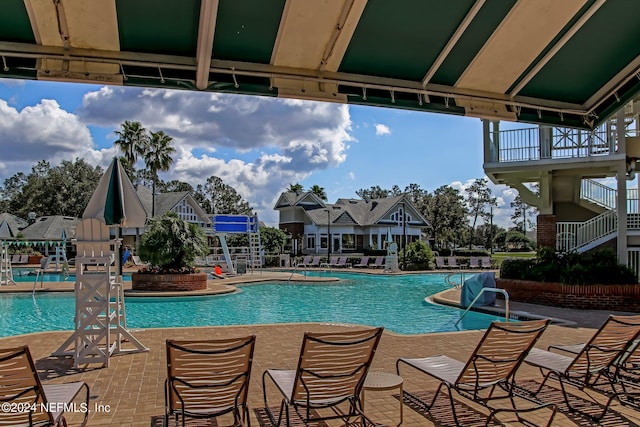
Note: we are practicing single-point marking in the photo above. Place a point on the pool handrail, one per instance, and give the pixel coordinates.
(495, 290)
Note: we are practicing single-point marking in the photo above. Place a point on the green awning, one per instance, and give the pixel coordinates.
(569, 62)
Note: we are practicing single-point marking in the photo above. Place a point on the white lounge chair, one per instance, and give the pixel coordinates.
(378, 263)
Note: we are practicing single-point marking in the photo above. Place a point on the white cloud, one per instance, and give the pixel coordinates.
(291, 138)
(382, 129)
(43, 132)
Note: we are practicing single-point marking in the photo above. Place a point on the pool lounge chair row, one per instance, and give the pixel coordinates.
(209, 378)
(443, 263)
(340, 261)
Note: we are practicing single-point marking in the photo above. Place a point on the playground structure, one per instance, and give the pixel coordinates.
(238, 263)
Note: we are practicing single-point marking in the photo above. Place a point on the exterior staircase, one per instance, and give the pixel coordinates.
(583, 236)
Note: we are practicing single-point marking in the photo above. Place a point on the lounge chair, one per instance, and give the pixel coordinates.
(364, 263)
(486, 262)
(331, 371)
(331, 262)
(15, 259)
(315, 262)
(340, 263)
(378, 263)
(305, 261)
(474, 262)
(592, 363)
(208, 378)
(137, 261)
(452, 262)
(211, 260)
(493, 363)
(440, 263)
(200, 261)
(20, 386)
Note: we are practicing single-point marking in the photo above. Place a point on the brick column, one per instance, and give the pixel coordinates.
(546, 234)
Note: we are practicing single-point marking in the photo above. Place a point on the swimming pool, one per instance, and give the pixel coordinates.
(396, 302)
(25, 274)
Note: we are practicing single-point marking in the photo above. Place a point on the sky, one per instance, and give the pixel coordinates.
(258, 145)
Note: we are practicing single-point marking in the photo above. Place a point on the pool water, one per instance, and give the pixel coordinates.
(395, 302)
(29, 275)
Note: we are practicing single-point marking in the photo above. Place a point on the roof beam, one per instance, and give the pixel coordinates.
(204, 50)
(631, 71)
(453, 40)
(552, 52)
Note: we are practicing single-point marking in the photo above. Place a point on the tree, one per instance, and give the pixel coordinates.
(446, 212)
(522, 214)
(272, 239)
(223, 198)
(319, 191)
(174, 186)
(479, 198)
(374, 192)
(158, 158)
(132, 142)
(60, 190)
(295, 188)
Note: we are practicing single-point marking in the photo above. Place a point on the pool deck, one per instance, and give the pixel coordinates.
(131, 389)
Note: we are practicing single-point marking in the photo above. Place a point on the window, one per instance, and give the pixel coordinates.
(397, 216)
(311, 242)
(348, 241)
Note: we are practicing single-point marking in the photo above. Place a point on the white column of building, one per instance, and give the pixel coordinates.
(622, 191)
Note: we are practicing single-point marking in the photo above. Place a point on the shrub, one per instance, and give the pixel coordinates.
(171, 244)
(418, 256)
(572, 268)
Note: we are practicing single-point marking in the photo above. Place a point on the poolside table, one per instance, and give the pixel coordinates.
(380, 381)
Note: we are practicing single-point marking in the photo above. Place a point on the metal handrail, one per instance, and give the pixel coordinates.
(496, 290)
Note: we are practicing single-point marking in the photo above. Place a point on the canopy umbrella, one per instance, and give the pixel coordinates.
(116, 202)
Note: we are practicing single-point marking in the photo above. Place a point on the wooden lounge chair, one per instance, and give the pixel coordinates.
(493, 363)
(440, 263)
(208, 378)
(364, 263)
(331, 371)
(474, 262)
(594, 362)
(20, 386)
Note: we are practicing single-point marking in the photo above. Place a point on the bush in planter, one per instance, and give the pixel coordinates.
(171, 244)
(418, 256)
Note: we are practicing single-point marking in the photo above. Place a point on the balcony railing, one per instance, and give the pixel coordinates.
(528, 144)
(574, 235)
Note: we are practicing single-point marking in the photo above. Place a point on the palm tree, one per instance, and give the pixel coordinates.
(132, 141)
(295, 188)
(319, 191)
(158, 158)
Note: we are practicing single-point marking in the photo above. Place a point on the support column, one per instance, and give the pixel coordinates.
(546, 233)
(622, 216)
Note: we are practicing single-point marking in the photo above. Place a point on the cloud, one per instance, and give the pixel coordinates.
(382, 129)
(289, 139)
(42, 132)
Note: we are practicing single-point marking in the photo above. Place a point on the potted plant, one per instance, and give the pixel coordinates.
(170, 246)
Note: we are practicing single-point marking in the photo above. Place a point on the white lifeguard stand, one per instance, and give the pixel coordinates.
(391, 261)
(100, 317)
(6, 273)
(54, 262)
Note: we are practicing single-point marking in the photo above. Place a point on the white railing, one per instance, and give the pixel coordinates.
(574, 235)
(633, 260)
(521, 145)
(599, 194)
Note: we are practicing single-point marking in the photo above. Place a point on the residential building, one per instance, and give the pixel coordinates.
(349, 225)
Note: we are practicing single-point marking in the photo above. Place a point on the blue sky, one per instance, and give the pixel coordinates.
(257, 145)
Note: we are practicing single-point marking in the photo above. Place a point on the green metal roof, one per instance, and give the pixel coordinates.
(570, 62)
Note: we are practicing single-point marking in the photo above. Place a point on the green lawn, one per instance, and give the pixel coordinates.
(501, 256)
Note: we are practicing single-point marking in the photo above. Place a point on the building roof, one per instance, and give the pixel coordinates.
(569, 62)
(13, 224)
(50, 228)
(344, 211)
(167, 201)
